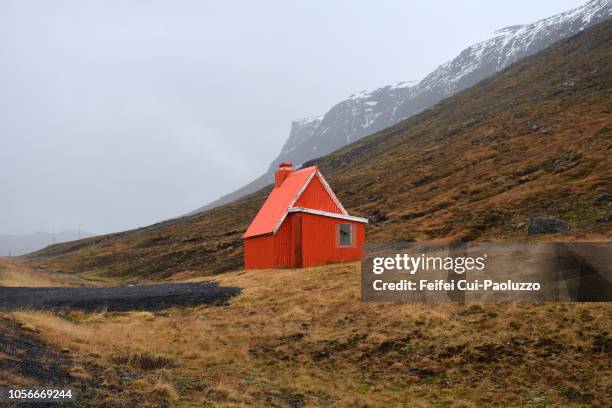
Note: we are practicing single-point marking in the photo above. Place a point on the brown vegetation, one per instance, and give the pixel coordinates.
(302, 338)
(16, 272)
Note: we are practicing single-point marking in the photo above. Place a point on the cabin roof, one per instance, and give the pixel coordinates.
(283, 198)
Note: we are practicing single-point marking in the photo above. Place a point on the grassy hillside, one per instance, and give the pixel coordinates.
(15, 272)
(296, 338)
(532, 140)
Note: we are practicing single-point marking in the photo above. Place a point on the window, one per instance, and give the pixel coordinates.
(345, 235)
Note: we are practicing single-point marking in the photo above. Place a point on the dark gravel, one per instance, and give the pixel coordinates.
(26, 362)
(120, 298)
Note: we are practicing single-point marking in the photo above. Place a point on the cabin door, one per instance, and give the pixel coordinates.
(298, 240)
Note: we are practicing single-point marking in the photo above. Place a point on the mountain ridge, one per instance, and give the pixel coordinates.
(366, 112)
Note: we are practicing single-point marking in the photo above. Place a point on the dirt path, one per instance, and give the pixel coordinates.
(120, 298)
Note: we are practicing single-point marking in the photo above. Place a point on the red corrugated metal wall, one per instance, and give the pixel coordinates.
(259, 252)
(320, 240)
(284, 248)
(319, 243)
(272, 251)
(316, 197)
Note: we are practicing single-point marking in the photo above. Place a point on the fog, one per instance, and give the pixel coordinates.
(116, 114)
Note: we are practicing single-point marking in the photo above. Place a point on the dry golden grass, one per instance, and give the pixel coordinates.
(297, 337)
(16, 272)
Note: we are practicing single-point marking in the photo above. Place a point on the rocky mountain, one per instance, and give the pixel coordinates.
(366, 113)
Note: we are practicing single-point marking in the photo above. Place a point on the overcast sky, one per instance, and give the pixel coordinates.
(118, 114)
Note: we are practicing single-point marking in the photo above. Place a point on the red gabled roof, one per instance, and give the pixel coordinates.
(275, 208)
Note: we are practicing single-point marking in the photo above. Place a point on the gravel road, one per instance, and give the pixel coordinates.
(120, 298)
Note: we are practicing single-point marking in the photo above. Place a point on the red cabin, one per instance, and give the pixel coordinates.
(302, 223)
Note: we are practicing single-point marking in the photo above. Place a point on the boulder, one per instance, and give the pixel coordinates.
(605, 218)
(546, 225)
(603, 198)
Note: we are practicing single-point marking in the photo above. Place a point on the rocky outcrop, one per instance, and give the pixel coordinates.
(546, 225)
(603, 198)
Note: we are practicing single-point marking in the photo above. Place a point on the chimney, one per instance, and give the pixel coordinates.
(284, 169)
